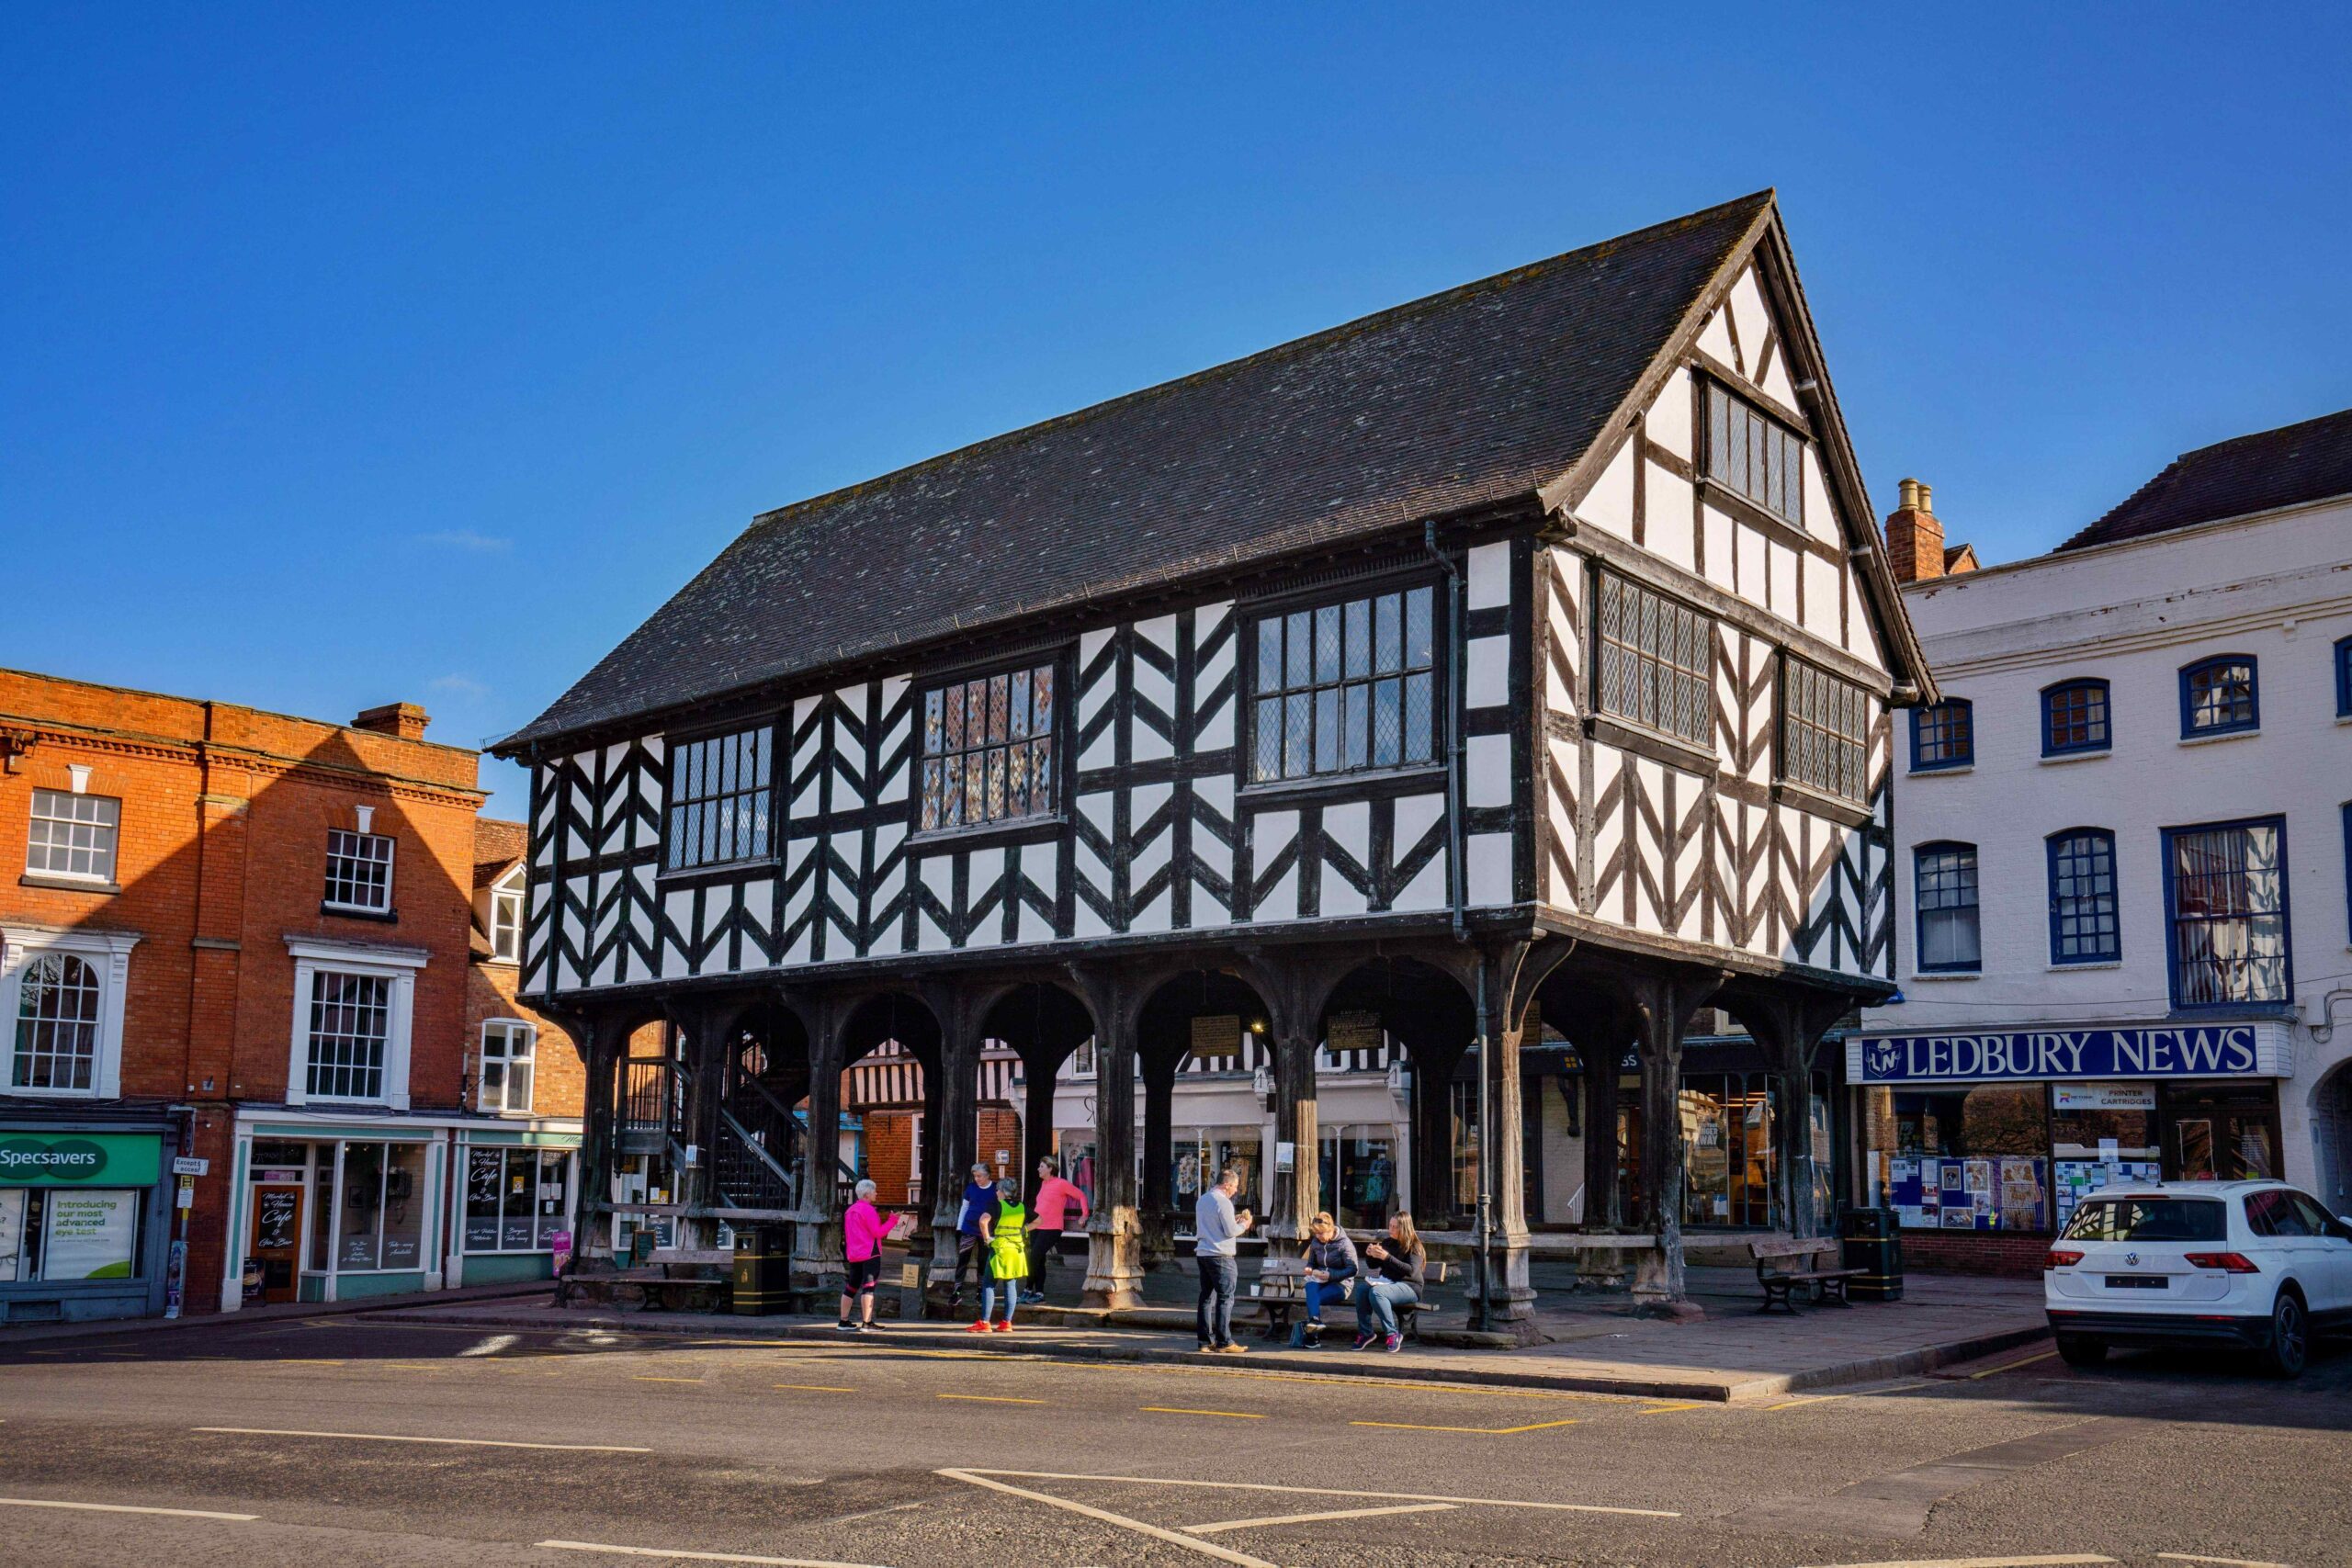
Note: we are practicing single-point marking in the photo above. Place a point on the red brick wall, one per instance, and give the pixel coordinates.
(559, 1081)
(1964, 1252)
(223, 840)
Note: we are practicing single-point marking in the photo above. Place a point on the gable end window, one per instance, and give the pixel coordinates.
(1346, 687)
(2217, 696)
(2084, 926)
(1943, 735)
(73, 836)
(2225, 899)
(987, 750)
(2074, 719)
(1653, 661)
(1944, 890)
(359, 871)
(2344, 678)
(1754, 454)
(1825, 731)
(721, 792)
(506, 924)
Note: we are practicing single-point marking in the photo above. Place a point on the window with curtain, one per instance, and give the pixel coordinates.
(57, 1024)
(2083, 925)
(1655, 661)
(2074, 719)
(1346, 687)
(2225, 898)
(719, 799)
(1944, 892)
(987, 750)
(2217, 696)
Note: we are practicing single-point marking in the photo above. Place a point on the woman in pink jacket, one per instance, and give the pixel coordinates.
(1050, 1215)
(863, 1229)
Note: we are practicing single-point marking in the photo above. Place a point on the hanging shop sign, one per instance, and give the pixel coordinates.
(2166, 1051)
(79, 1159)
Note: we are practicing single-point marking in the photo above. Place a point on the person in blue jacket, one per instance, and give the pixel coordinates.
(979, 1197)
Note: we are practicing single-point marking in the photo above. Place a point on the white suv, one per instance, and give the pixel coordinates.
(2251, 1265)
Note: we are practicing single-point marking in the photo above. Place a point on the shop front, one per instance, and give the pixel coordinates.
(1983, 1143)
(86, 1220)
(329, 1211)
(511, 1205)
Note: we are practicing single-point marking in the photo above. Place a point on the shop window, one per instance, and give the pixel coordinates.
(2083, 925)
(1944, 892)
(1462, 1106)
(2217, 696)
(1730, 1162)
(1754, 455)
(379, 1223)
(1657, 662)
(719, 796)
(987, 750)
(1358, 1167)
(1198, 1155)
(2100, 1134)
(508, 1048)
(1825, 731)
(60, 1234)
(1975, 1158)
(507, 925)
(359, 873)
(2074, 719)
(515, 1198)
(72, 836)
(1943, 735)
(2225, 899)
(1346, 687)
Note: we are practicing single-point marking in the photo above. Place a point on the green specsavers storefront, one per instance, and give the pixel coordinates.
(84, 1220)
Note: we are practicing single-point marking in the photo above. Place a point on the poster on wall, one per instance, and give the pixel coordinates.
(90, 1236)
(12, 1230)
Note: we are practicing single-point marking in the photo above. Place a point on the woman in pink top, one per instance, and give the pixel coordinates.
(1049, 1217)
(863, 1229)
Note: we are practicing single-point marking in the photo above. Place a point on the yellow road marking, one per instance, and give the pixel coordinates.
(1317, 1492)
(2226, 1562)
(816, 1388)
(305, 1361)
(1979, 1562)
(2012, 1366)
(400, 1438)
(1669, 1409)
(1481, 1431)
(642, 1378)
(1809, 1399)
(1318, 1518)
(1179, 1410)
(988, 1399)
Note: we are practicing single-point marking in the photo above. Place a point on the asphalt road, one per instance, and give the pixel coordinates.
(267, 1444)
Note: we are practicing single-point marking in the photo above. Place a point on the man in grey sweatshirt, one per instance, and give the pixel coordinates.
(1216, 1229)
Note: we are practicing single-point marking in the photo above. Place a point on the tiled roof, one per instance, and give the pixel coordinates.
(2296, 463)
(497, 846)
(1469, 397)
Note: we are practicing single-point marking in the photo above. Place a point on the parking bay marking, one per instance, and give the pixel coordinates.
(1273, 1519)
(400, 1438)
(2059, 1561)
(1321, 1491)
(1480, 1431)
(673, 1553)
(125, 1508)
(1179, 1410)
(2225, 1562)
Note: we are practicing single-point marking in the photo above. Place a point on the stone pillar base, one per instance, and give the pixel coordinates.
(1114, 1260)
(1514, 1296)
(817, 1263)
(1657, 1280)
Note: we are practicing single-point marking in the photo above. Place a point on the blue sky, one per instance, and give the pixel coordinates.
(353, 355)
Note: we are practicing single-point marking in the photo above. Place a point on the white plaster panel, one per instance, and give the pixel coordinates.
(1820, 511)
(1667, 420)
(1776, 382)
(1609, 506)
(1667, 524)
(1415, 815)
(1488, 861)
(1339, 896)
(1753, 564)
(1720, 542)
(1489, 583)
(1750, 317)
(1487, 682)
(1216, 792)
(1487, 770)
(1823, 598)
(1781, 596)
(1714, 339)
(1428, 888)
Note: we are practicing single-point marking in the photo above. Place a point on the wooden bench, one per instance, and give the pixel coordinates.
(1783, 1264)
(1281, 1299)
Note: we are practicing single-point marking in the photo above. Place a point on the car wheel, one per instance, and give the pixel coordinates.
(2290, 1337)
(2077, 1351)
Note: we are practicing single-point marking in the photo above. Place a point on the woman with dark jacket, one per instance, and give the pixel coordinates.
(1393, 1270)
(1331, 1270)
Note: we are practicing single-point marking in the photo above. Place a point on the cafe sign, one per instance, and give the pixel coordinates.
(79, 1159)
(2162, 1051)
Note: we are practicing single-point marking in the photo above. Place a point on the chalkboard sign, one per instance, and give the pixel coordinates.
(274, 1218)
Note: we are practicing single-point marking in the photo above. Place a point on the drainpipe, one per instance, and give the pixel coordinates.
(1482, 1224)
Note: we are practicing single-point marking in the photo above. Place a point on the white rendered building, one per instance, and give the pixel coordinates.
(2122, 845)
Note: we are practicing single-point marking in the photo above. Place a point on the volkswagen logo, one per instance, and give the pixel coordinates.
(2132, 1258)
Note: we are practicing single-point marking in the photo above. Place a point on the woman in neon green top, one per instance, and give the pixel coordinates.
(1004, 1241)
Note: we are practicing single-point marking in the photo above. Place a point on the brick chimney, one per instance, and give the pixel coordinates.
(1915, 540)
(406, 721)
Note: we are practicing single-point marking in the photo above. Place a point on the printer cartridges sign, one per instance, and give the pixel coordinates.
(79, 1159)
(2171, 1051)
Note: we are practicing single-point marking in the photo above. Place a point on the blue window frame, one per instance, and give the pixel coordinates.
(2083, 925)
(1943, 736)
(2348, 867)
(2074, 719)
(2344, 677)
(2225, 905)
(1943, 887)
(2219, 696)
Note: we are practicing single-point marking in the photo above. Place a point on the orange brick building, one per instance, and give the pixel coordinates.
(238, 975)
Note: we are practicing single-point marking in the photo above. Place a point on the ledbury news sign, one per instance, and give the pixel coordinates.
(2154, 1050)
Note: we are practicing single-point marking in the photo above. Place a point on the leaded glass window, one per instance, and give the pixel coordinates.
(1654, 662)
(1825, 731)
(1346, 687)
(720, 797)
(987, 750)
(1754, 455)
(57, 1023)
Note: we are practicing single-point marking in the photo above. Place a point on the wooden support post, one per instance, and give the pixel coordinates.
(1665, 998)
(1158, 1213)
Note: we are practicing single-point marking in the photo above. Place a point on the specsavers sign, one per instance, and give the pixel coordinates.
(80, 1159)
(2217, 1050)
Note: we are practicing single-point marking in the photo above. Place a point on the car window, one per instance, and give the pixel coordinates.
(2149, 1219)
(2316, 1220)
(2267, 1214)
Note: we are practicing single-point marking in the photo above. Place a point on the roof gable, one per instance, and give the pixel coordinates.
(1478, 396)
(2261, 472)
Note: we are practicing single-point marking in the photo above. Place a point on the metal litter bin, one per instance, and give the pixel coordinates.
(1872, 1242)
(762, 1270)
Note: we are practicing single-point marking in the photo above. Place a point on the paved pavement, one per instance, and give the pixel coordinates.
(396, 1439)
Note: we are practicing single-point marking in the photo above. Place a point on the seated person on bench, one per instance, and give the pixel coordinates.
(1392, 1276)
(1331, 1269)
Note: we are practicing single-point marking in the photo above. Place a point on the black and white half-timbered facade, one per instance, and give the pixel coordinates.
(1528, 649)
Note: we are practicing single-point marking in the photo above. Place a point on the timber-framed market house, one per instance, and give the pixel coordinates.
(1525, 652)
